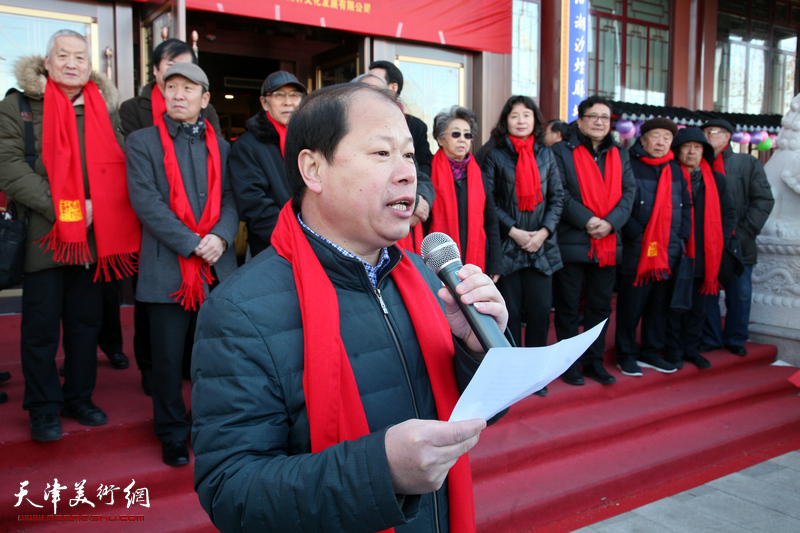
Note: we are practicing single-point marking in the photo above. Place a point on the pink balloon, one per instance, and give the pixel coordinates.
(629, 134)
(745, 138)
(680, 126)
(773, 136)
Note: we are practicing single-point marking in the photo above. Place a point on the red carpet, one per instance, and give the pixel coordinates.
(577, 456)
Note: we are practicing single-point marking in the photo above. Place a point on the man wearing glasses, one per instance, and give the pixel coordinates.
(256, 161)
(598, 195)
(752, 197)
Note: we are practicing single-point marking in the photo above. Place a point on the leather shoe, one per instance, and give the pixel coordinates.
(597, 372)
(697, 360)
(541, 392)
(3, 396)
(45, 427)
(175, 453)
(119, 361)
(147, 381)
(705, 348)
(735, 349)
(5, 376)
(85, 412)
(573, 375)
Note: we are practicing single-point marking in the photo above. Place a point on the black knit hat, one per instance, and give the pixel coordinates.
(693, 135)
(659, 123)
(719, 123)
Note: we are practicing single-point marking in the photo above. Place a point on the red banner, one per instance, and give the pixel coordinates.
(482, 25)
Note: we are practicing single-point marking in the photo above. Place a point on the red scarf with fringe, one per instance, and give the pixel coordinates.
(281, 129)
(528, 183)
(712, 229)
(195, 272)
(600, 193)
(654, 256)
(117, 231)
(445, 209)
(335, 411)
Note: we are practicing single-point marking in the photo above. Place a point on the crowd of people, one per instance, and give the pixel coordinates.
(318, 386)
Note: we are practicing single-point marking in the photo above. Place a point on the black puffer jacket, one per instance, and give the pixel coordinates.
(752, 197)
(499, 172)
(254, 470)
(573, 241)
(258, 178)
(647, 178)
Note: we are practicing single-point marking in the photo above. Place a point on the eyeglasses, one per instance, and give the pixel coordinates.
(604, 119)
(280, 95)
(715, 132)
(456, 134)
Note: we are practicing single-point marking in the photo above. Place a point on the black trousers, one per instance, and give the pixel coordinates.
(56, 298)
(530, 292)
(685, 331)
(567, 300)
(141, 333)
(110, 338)
(649, 302)
(170, 327)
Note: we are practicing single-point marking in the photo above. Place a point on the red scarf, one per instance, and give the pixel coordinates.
(445, 209)
(528, 183)
(194, 271)
(281, 129)
(335, 411)
(117, 230)
(159, 105)
(600, 193)
(712, 229)
(719, 164)
(654, 256)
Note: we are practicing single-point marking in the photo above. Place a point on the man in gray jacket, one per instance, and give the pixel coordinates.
(177, 184)
(752, 197)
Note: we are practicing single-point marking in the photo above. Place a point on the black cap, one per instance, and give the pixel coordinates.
(719, 123)
(686, 135)
(278, 79)
(659, 123)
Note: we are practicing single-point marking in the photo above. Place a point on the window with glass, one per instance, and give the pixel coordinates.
(525, 48)
(756, 54)
(24, 32)
(629, 50)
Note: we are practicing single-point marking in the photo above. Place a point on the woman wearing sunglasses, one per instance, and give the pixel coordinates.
(522, 176)
(463, 209)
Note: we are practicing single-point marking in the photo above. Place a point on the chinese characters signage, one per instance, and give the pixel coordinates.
(578, 54)
(471, 24)
(76, 496)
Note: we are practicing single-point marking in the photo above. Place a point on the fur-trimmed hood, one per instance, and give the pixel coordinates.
(263, 130)
(32, 78)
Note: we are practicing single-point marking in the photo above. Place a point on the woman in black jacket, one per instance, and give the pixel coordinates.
(522, 175)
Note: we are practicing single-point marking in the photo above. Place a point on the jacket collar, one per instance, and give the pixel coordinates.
(574, 138)
(262, 129)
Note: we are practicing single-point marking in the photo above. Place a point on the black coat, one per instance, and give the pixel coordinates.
(422, 150)
(137, 112)
(254, 470)
(573, 241)
(752, 198)
(258, 177)
(499, 172)
(647, 179)
(728, 212)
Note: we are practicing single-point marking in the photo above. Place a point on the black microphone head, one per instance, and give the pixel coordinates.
(438, 250)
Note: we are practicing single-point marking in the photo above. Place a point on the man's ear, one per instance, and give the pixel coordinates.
(311, 165)
(393, 86)
(206, 99)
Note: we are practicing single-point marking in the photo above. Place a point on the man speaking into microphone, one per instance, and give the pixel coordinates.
(324, 367)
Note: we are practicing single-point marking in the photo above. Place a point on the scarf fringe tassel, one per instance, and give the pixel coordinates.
(65, 252)
(529, 203)
(192, 294)
(123, 265)
(710, 287)
(651, 275)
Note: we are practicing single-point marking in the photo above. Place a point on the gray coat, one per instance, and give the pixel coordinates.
(164, 236)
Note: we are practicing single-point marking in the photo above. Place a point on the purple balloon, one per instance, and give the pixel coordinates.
(745, 138)
(629, 134)
(737, 137)
(638, 125)
(756, 137)
(625, 126)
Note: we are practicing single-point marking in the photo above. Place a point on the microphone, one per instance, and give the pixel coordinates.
(441, 255)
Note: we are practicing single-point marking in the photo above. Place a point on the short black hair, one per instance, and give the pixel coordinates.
(169, 50)
(501, 128)
(591, 101)
(393, 74)
(557, 126)
(319, 124)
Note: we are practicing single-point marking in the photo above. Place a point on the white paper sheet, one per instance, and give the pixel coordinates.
(508, 375)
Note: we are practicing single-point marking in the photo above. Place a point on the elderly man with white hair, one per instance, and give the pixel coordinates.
(68, 172)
